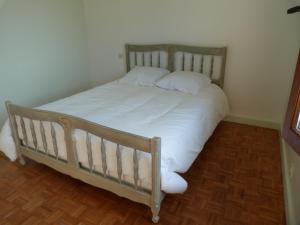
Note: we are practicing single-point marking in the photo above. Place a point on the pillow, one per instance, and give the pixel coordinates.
(145, 76)
(184, 81)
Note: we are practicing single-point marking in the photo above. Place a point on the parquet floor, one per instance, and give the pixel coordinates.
(236, 180)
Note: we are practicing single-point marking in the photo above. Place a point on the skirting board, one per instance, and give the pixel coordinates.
(288, 200)
(253, 122)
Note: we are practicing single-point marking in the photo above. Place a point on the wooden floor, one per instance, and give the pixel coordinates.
(236, 180)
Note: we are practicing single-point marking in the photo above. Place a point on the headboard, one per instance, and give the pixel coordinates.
(206, 60)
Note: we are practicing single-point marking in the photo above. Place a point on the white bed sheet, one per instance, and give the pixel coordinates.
(183, 121)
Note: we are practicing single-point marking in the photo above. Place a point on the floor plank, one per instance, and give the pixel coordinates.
(236, 180)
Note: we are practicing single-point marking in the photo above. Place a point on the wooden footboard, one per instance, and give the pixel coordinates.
(71, 166)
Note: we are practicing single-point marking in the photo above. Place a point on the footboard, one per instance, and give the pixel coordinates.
(29, 124)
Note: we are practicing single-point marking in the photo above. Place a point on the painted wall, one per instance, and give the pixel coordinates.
(260, 37)
(42, 51)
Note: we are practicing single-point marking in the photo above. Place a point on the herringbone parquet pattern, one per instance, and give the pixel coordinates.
(236, 180)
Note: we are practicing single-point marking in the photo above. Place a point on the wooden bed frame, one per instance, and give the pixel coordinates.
(72, 167)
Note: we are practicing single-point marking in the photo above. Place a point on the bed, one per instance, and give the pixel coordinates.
(132, 141)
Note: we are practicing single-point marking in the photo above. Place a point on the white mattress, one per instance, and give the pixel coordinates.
(183, 121)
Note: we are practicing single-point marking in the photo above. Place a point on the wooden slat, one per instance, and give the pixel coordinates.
(14, 124)
(151, 58)
(89, 151)
(128, 60)
(44, 140)
(25, 139)
(54, 141)
(33, 134)
(14, 131)
(211, 67)
(103, 158)
(119, 163)
(192, 63)
(74, 149)
(201, 63)
(135, 168)
(183, 61)
(158, 58)
(14, 128)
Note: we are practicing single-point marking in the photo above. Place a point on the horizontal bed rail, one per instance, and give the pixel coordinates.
(117, 136)
(27, 124)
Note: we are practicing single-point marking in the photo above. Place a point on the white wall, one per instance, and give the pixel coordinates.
(42, 51)
(260, 36)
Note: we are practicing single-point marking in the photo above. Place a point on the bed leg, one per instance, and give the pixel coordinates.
(155, 211)
(22, 160)
(156, 176)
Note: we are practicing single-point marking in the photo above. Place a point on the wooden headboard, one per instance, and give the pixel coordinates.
(206, 60)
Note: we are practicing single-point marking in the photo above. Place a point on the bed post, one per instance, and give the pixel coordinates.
(70, 144)
(14, 131)
(156, 182)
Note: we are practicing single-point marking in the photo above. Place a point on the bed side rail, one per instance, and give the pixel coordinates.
(72, 166)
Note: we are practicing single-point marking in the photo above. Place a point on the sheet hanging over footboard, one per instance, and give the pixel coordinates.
(183, 121)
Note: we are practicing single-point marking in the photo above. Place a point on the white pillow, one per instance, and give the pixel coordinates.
(184, 81)
(145, 76)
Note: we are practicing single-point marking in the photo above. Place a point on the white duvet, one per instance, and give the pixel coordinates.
(183, 121)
